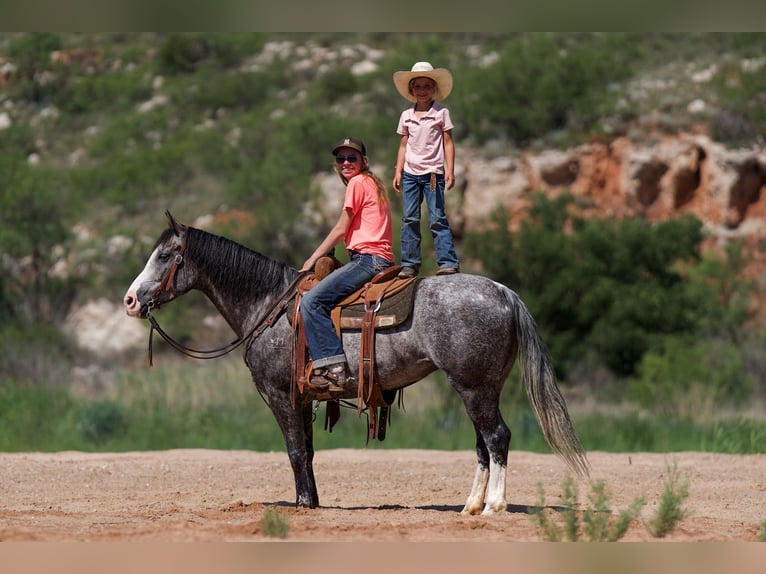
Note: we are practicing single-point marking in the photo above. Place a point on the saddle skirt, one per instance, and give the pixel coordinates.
(390, 297)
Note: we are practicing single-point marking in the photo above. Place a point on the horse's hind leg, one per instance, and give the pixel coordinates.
(492, 440)
(475, 502)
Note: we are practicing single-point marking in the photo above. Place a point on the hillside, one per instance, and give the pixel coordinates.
(230, 132)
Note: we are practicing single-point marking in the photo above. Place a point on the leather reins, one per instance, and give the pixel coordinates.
(266, 321)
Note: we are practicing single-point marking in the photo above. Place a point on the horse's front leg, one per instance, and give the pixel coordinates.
(297, 429)
(308, 440)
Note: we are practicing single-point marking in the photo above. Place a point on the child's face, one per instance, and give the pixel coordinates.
(423, 89)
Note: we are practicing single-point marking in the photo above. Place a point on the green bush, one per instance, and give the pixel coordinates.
(670, 510)
(117, 92)
(684, 377)
(740, 115)
(595, 522)
(595, 286)
(274, 523)
(180, 53)
(543, 83)
(184, 53)
(101, 421)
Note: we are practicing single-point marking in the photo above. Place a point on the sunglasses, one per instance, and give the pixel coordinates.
(339, 159)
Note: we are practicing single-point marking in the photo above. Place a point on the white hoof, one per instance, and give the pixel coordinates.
(473, 510)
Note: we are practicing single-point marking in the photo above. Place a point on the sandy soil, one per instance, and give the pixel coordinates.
(395, 495)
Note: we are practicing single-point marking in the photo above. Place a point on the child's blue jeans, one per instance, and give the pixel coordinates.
(414, 188)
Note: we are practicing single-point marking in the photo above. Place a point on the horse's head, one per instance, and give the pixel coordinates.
(159, 281)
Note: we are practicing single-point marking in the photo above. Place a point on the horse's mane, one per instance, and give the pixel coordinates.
(234, 267)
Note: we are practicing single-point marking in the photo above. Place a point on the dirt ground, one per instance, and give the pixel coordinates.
(365, 495)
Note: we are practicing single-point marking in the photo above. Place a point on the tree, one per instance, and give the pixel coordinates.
(597, 286)
(34, 220)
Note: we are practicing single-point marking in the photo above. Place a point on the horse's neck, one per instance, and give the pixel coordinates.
(244, 308)
(242, 315)
(241, 283)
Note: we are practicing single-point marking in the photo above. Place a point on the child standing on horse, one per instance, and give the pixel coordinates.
(365, 226)
(425, 165)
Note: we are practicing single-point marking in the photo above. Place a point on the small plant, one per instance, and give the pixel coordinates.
(274, 523)
(670, 511)
(598, 523)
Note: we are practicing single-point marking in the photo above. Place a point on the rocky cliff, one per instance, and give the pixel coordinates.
(688, 173)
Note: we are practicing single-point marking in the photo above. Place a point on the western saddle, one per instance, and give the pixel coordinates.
(383, 302)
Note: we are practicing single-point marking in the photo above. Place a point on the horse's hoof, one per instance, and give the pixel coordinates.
(493, 509)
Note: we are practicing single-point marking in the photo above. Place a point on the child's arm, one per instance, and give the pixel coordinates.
(449, 160)
(399, 164)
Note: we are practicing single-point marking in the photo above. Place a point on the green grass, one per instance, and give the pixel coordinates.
(197, 404)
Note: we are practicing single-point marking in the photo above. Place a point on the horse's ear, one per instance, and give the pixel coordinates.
(172, 223)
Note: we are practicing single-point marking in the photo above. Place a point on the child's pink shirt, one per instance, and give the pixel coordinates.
(425, 139)
(370, 229)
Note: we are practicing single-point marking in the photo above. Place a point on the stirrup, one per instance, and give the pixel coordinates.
(323, 379)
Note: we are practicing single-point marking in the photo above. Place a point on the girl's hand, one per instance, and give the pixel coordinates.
(308, 265)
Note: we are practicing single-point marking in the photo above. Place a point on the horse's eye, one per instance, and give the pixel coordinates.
(164, 257)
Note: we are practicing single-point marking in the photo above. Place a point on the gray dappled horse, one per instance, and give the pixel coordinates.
(469, 326)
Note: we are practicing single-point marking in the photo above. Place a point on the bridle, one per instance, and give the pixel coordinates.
(266, 321)
(167, 281)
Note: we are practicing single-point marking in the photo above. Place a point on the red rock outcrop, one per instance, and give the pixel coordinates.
(682, 174)
(724, 188)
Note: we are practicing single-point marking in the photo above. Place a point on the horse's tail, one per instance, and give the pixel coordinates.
(544, 395)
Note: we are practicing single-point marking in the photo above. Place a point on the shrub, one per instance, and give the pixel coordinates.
(274, 523)
(180, 53)
(670, 511)
(98, 93)
(101, 421)
(687, 377)
(596, 521)
(608, 288)
(543, 83)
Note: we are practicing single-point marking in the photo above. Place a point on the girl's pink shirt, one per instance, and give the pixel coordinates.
(425, 139)
(370, 229)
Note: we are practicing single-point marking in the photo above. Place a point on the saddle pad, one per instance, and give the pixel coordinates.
(393, 311)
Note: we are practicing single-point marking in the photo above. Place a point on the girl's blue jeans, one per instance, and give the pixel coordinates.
(414, 189)
(325, 347)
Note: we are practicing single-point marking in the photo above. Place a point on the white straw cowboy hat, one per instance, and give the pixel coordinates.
(441, 76)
